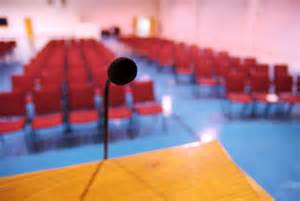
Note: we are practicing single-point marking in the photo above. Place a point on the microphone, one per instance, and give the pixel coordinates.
(120, 72)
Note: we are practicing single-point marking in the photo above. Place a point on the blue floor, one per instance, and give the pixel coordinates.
(266, 149)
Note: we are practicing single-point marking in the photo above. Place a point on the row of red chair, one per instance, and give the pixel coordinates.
(187, 59)
(68, 63)
(48, 106)
(214, 69)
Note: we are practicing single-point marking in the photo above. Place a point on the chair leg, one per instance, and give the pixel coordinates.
(244, 109)
(229, 112)
(195, 91)
(68, 129)
(130, 128)
(176, 79)
(164, 123)
(2, 139)
(224, 107)
(289, 110)
(253, 109)
(216, 91)
(267, 110)
(100, 127)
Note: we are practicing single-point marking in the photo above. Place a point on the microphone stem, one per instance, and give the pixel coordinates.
(106, 132)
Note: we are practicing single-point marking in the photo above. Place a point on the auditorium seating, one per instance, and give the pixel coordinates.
(280, 70)
(260, 82)
(71, 73)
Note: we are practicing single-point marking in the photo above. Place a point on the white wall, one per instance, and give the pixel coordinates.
(267, 29)
(77, 18)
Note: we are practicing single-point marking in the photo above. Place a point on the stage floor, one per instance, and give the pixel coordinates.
(195, 171)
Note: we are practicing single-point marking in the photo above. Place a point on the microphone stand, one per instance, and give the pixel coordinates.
(105, 122)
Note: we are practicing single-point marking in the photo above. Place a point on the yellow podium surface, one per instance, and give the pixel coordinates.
(195, 171)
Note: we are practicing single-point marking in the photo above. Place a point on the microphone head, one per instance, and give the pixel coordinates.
(122, 71)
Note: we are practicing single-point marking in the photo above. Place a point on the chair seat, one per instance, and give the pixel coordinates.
(240, 98)
(184, 71)
(148, 108)
(207, 81)
(11, 125)
(47, 121)
(119, 112)
(260, 97)
(292, 99)
(83, 116)
(266, 98)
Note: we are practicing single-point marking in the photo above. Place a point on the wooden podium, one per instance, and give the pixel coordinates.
(202, 172)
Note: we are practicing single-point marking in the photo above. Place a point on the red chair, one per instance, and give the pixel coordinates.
(166, 57)
(47, 109)
(183, 66)
(280, 70)
(259, 84)
(204, 74)
(260, 87)
(235, 90)
(82, 106)
(12, 112)
(100, 77)
(222, 70)
(118, 108)
(144, 98)
(284, 85)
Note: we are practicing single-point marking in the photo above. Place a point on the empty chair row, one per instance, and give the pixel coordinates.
(48, 108)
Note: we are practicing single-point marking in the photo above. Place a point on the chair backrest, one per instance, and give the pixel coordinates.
(117, 96)
(284, 84)
(47, 101)
(280, 70)
(22, 83)
(100, 77)
(142, 91)
(261, 69)
(203, 69)
(222, 68)
(81, 97)
(12, 103)
(182, 62)
(259, 84)
(249, 61)
(235, 83)
(235, 62)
